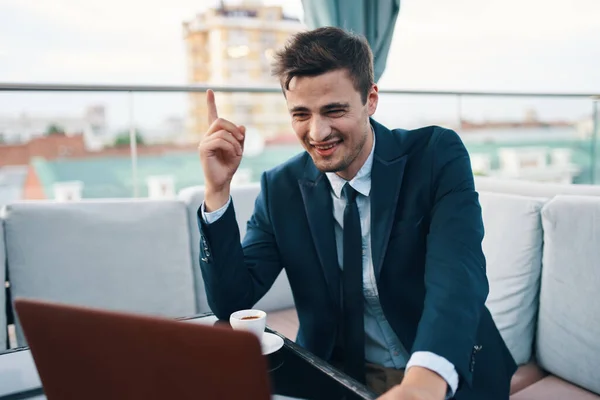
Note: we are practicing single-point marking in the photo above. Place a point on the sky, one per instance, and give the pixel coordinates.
(491, 45)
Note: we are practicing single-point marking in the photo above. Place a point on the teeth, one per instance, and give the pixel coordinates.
(325, 147)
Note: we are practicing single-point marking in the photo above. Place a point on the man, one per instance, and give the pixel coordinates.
(379, 232)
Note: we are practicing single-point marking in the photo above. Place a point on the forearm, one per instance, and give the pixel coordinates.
(215, 199)
(228, 283)
(237, 276)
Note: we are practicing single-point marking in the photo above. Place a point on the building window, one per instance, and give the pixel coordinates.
(238, 67)
(269, 39)
(271, 15)
(237, 37)
(238, 51)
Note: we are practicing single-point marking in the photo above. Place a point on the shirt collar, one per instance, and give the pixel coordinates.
(361, 182)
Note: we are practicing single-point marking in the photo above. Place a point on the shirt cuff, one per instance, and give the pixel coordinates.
(210, 217)
(439, 365)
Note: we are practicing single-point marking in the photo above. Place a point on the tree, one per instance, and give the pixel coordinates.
(54, 129)
(123, 139)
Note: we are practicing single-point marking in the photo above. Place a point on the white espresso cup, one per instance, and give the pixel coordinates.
(253, 321)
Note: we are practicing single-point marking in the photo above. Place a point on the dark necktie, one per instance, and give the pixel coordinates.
(352, 286)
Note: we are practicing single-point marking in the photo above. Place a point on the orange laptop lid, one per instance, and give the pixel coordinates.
(84, 353)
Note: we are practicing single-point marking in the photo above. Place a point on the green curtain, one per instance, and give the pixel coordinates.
(375, 19)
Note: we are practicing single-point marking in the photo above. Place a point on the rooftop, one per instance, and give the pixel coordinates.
(106, 177)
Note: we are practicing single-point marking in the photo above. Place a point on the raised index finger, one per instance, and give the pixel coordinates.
(212, 106)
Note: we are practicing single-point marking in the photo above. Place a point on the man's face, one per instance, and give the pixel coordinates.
(331, 121)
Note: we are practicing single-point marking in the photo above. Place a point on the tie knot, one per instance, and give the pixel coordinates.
(349, 193)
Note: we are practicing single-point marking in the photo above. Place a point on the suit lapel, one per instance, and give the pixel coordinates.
(386, 181)
(319, 211)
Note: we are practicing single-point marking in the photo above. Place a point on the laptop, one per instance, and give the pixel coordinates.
(85, 353)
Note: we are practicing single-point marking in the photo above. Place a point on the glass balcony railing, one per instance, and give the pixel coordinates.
(70, 142)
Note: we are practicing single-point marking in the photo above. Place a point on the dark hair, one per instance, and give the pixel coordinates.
(322, 50)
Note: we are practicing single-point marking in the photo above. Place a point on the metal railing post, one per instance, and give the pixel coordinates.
(459, 111)
(133, 147)
(595, 124)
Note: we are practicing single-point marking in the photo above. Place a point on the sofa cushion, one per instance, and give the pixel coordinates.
(568, 343)
(512, 246)
(243, 198)
(526, 375)
(553, 388)
(122, 255)
(3, 322)
(285, 322)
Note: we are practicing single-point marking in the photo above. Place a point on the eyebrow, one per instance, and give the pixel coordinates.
(325, 108)
(334, 106)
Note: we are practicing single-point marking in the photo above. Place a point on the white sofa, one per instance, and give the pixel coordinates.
(122, 255)
(543, 276)
(541, 247)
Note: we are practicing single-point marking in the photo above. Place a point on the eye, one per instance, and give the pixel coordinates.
(335, 113)
(300, 116)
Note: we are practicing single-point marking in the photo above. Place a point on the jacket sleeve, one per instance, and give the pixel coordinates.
(237, 275)
(455, 278)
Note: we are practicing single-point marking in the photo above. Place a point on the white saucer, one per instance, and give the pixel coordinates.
(271, 343)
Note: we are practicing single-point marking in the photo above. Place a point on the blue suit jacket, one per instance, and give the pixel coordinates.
(426, 235)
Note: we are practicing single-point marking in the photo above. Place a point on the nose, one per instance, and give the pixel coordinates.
(320, 129)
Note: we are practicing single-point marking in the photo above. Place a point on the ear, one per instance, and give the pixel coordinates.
(373, 99)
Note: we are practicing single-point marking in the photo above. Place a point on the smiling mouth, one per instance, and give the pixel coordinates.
(327, 147)
(326, 150)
